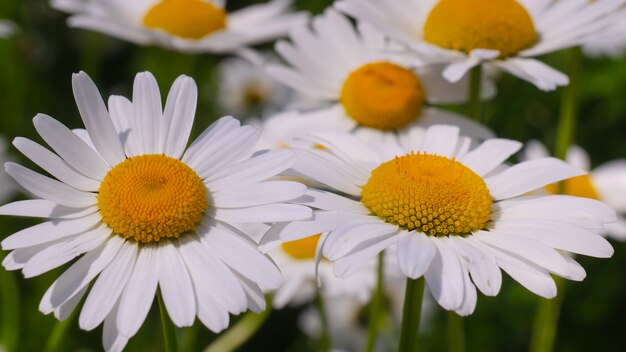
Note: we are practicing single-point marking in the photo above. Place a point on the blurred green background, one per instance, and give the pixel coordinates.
(35, 72)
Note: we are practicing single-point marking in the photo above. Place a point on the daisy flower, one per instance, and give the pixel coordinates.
(148, 212)
(7, 28)
(612, 43)
(183, 25)
(7, 187)
(457, 214)
(504, 34)
(246, 90)
(606, 183)
(360, 86)
(297, 261)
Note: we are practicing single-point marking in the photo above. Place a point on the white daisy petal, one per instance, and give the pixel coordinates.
(440, 140)
(123, 117)
(258, 194)
(490, 155)
(175, 285)
(355, 235)
(96, 118)
(354, 261)
(106, 291)
(608, 179)
(148, 112)
(264, 213)
(529, 176)
(41, 208)
(112, 339)
(179, 113)
(64, 311)
(79, 275)
(415, 253)
(137, 297)
(70, 147)
(49, 189)
(445, 277)
(50, 231)
(485, 272)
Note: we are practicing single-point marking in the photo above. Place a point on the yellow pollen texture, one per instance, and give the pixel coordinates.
(428, 193)
(465, 25)
(579, 186)
(190, 19)
(149, 198)
(382, 95)
(302, 249)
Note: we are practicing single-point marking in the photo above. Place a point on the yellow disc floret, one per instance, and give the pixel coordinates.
(428, 193)
(579, 186)
(465, 25)
(382, 95)
(302, 249)
(189, 19)
(149, 198)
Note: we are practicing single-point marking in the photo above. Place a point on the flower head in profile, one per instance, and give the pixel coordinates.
(606, 182)
(142, 211)
(504, 34)
(357, 84)
(457, 214)
(183, 25)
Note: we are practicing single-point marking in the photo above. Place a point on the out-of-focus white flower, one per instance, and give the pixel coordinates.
(611, 43)
(7, 186)
(184, 25)
(507, 34)
(7, 28)
(606, 182)
(246, 90)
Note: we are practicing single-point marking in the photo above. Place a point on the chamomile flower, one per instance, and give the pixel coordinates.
(298, 264)
(362, 88)
(144, 211)
(184, 25)
(504, 34)
(7, 186)
(247, 91)
(7, 28)
(612, 43)
(457, 215)
(606, 183)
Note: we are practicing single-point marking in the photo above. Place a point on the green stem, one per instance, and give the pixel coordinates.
(411, 314)
(325, 341)
(375, 306)
(456, 333)
(566, 128)
(475, 104)
(57, 337)
(168, 328)
(546, 321)
(241, 332)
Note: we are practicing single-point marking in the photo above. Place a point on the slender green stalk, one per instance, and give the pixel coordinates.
(475, 104)
(325, 340)
(10, 311)
(57, 337)
(456, 333)
(169, 330)
(545, 326)
(241, 332)
(376, 306)
(411, 314)
(566, 128)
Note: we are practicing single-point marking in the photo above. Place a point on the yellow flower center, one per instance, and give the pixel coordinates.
(152, 197)
(302, 249)
(428, 193)
(464, 25)
(579, 186)
(190, 19)
(382, 95)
